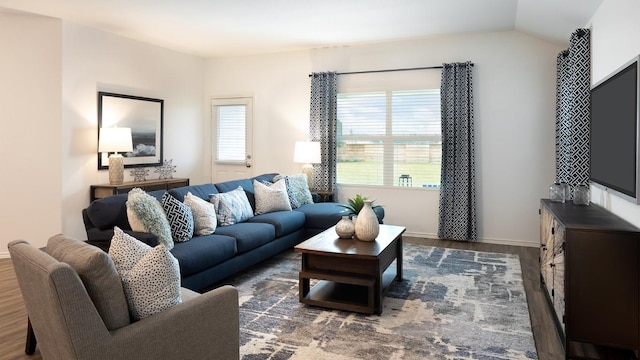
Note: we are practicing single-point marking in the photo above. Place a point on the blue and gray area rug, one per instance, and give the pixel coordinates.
(452, 304)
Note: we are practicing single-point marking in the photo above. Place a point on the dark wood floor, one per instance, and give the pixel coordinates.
(13, 318)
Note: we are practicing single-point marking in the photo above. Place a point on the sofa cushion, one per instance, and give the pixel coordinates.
(271, 198)
(265, 177)
(249, 235)
(146, 214)
(150, 276)
(321, 215)
(203, 252)
(179, 216)
(99, 276)
(232, 207)
(204, 215)
(202, 191)
(157, 194)
(285, 222)
(108, 212)
(247, 186)
(325, 215)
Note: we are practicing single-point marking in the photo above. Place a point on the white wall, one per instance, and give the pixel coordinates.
(514, 92)
(95, 61)
(50, 74)
(279, 85)
(53, 70)
(615, 39)
(30, 118)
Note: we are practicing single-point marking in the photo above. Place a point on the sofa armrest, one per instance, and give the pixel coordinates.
(206, 326)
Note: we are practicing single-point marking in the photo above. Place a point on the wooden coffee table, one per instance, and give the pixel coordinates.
(352, 275)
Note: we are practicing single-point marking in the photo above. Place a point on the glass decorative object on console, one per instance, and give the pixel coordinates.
(582, 195)
(566, 191)
(556, 192)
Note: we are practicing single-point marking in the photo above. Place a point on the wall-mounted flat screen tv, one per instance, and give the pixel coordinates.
(614, 132)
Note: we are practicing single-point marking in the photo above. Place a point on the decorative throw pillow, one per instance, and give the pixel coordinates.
(179, 216)
(297, 189)
(292, 196)
(204, 215)
(271, 198)
(150, 276)
(145, 214)
(232, 207)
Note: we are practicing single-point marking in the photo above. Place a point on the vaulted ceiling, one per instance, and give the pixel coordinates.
(213, 28)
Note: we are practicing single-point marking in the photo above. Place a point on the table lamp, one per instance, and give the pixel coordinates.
(307, 153)
(114, 140)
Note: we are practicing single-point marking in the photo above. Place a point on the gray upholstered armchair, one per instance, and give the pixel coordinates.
(78, 310)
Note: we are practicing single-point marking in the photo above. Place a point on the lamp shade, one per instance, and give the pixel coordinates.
(307, 152)
(115, 139)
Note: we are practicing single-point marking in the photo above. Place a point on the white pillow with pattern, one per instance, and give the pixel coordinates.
(232, 207)
(204, 215)
(150, 276)
(271, 198)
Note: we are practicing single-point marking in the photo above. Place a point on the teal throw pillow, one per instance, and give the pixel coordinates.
(297, 189)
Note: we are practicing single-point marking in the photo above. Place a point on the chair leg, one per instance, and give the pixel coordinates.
(30, 347)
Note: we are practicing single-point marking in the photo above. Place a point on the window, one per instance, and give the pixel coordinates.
(389, 138)
(232, 120)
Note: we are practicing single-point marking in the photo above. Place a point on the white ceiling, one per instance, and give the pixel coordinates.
(213, 28)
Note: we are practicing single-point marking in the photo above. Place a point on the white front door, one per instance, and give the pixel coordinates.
(231, 140)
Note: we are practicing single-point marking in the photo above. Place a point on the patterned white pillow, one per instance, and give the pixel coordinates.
(150, 276)
(145, 214)
(179, 216)
(297, 189)
(271, 198)
(232, 207)
(204, 215)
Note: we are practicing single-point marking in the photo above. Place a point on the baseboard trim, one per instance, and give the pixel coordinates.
(509, 242)
(4, 255)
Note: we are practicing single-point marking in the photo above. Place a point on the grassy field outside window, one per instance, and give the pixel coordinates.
(370, 173)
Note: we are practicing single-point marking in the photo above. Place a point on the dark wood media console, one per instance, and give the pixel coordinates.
(590, 269)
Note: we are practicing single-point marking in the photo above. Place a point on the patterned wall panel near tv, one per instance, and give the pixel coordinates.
(572, 110)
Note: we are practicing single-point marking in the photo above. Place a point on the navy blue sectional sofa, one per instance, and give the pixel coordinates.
(206, 260)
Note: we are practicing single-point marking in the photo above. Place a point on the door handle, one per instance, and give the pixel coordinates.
(247, 162)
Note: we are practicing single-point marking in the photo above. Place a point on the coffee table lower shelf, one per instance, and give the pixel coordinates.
(348, 292)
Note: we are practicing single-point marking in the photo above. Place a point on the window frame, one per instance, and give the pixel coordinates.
(233, 101)
(388, 140)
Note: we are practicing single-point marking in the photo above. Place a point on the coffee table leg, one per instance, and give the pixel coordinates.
(303, 287)
(399, 260)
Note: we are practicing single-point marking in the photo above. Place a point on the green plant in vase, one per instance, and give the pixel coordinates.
(356, 203)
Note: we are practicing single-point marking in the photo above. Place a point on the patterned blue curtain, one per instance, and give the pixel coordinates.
(573, 110)
(322, 127)
(457, 181)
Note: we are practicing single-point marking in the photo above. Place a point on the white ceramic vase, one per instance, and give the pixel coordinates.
(367, 227)
(345, 228)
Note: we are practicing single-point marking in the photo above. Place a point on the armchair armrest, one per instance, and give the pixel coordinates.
(205, 327)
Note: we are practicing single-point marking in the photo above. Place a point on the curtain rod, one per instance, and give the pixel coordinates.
(388, 70)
